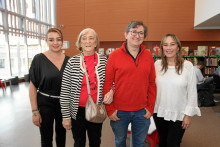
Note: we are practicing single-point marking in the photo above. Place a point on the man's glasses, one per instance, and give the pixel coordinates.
(134, 33)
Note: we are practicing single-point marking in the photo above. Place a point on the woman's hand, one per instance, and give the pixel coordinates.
(108, 98)
(36, 118)
(186, 122)
(67, 124)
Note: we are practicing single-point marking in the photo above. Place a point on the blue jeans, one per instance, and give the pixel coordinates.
(139, 127)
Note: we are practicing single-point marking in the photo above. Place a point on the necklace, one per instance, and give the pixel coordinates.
(95, 78)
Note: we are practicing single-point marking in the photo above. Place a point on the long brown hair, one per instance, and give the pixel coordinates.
(179, 59)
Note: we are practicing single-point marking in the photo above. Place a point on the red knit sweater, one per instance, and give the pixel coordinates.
(135, 86)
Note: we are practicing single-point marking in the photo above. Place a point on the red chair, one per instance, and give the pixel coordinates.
(2, 85)
(153, 138)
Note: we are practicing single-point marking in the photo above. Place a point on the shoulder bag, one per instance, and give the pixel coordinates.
(93, 112)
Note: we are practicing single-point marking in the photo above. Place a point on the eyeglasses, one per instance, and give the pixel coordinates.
(134, 33)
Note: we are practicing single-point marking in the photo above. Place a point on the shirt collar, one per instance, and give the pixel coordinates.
(130, 53)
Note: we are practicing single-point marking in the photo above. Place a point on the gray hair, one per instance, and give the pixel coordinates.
(83, 32)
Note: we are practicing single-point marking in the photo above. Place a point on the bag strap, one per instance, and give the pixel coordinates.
(87, 76)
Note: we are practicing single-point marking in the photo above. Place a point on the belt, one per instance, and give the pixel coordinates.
(53, 96)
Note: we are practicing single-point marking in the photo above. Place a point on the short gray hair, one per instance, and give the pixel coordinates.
(83, 32)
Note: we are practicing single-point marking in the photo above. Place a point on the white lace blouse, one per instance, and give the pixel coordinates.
(176, 94)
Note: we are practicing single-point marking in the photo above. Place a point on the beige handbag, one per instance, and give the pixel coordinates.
(93, 112)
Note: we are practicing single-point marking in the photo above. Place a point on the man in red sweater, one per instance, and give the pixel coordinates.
(131, 68)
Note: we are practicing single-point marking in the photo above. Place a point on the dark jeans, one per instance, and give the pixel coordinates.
(50, 111)
(170, 133)
(79, 128)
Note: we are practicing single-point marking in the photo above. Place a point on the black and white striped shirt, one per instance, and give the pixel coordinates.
(72, 81)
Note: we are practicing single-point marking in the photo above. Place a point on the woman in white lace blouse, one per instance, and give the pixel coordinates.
(176, 98)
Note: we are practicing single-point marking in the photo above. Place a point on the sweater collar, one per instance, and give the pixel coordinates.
(124, 47)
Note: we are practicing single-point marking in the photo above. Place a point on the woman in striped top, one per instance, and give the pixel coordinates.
(74, 89)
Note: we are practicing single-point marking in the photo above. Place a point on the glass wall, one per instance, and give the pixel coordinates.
(33, 49)
(15, 44)
(4, 57)
(23, 27)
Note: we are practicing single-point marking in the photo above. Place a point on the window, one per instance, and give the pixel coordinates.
(23, 26)
(4, 57)
(2, 63)
(16, 45)
(33, 49)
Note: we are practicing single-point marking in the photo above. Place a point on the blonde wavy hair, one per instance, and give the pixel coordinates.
(179, 59)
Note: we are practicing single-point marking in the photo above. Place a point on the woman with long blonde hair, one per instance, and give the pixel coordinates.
(176, 100)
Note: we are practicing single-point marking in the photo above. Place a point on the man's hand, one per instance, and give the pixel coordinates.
(114, 116)
(148, 114)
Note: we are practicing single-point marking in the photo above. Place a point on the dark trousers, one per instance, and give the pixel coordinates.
(79, 128)
(50, 111)
(170, 133)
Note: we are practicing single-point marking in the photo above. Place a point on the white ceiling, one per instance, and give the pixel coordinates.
(211, 23)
